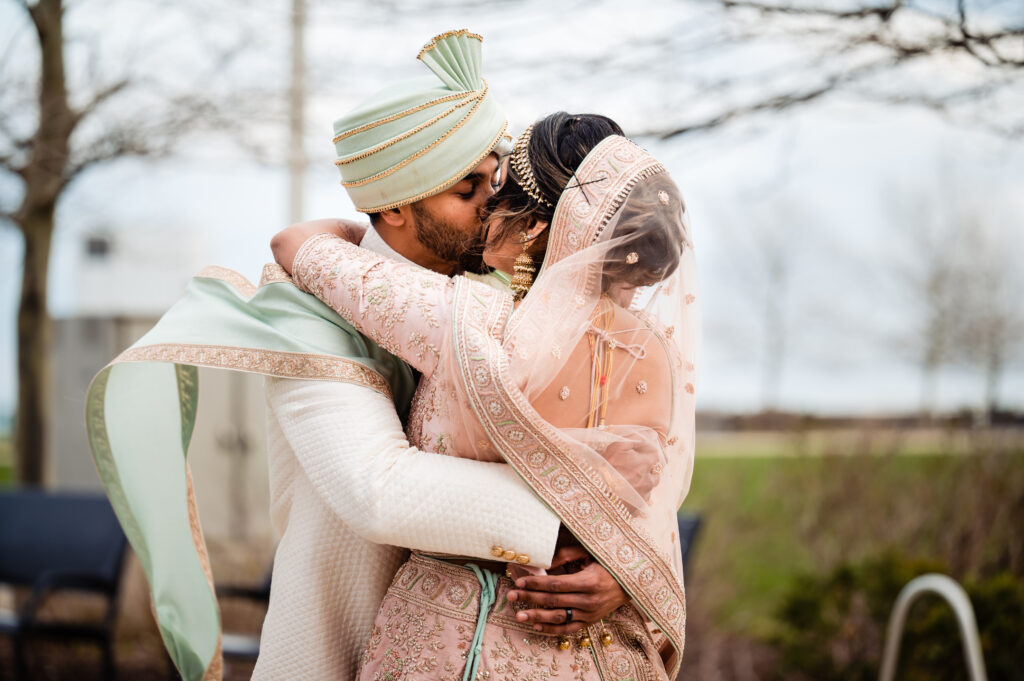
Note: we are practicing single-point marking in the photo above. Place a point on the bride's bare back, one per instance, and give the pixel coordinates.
(640, 388)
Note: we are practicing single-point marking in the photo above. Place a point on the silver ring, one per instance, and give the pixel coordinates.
(568, 615)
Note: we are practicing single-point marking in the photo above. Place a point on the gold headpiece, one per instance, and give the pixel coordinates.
(520, 162)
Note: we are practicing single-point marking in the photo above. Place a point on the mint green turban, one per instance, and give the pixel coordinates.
(421, 136)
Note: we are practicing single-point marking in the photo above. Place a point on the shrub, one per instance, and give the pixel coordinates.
(833, 626)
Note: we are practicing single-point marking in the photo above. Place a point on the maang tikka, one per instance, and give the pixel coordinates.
(523, 269)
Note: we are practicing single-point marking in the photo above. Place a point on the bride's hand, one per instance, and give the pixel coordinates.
(592, 594)
(286, 243)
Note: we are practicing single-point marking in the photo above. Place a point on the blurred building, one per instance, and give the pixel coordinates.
(123, 282)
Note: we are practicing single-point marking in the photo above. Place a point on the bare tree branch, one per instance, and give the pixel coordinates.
(882, 12)
(849, 48)
(99, 97)
(960, 37)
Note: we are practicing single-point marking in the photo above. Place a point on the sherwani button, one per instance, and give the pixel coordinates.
(509, 555)
(522, 559)
(497, 551)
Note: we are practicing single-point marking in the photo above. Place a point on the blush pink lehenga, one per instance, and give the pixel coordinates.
(491, 369)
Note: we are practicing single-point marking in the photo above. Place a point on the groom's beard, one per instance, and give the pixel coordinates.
(447, 241)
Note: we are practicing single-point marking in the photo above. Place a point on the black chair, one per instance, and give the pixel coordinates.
(244, 646)
(52, 542)
(689, 525)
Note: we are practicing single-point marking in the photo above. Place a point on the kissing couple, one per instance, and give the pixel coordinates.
(480, 405)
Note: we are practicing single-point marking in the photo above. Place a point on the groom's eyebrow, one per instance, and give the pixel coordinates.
(476, 178)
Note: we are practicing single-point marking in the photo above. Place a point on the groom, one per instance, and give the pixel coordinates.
(421, 158)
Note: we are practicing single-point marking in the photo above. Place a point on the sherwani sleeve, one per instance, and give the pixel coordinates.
(404, 308)
(351, 446)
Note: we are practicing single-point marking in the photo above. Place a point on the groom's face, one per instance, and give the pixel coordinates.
(448, 224)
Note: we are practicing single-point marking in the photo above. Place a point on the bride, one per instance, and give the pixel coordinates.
(573, 362)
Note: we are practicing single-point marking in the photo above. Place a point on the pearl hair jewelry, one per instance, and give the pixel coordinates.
(520, 162)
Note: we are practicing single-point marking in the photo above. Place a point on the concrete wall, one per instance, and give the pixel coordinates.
(228, 452)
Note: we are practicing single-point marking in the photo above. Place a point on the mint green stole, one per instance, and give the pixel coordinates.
(141, 410)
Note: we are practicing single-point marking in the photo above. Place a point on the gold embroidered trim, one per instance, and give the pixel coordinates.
(624, 159)
(267, 362)
(401, 114)
(447, 34)
(605, 197)
(395, 140)
(274, 274)
(398, 166)
(215, 670)
(455, 179)
(229, 276)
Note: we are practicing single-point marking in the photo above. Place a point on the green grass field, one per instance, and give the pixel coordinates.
(770, 515)
(747, 548)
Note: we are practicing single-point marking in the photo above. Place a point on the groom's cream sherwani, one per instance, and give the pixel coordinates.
(347, 491)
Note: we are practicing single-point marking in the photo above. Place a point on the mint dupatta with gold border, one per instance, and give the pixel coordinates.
(141, 411)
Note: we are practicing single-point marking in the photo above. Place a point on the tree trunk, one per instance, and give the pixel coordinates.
(993, 371)
(929, 381)
(34, 339)
(45, 178)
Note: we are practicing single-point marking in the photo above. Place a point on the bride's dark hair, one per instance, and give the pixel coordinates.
(558, 145)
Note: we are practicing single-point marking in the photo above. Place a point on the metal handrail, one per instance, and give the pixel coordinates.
(961, 604)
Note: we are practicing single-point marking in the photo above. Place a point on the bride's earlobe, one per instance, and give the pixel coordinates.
(537, 229)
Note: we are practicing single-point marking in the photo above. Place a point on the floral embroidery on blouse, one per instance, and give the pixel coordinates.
(402, 307)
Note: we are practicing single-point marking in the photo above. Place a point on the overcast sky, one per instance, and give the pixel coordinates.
(832, 185)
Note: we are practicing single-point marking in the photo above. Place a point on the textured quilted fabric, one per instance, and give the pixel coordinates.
(346, 490)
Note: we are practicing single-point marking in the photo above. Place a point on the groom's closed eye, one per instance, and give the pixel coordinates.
(471, 184)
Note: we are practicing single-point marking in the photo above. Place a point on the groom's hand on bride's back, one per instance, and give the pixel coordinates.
(591, 592)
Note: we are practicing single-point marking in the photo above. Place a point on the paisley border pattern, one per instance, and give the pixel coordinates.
(261, 361)
(278, 363)
(274, 274)
(234, 279)
(541, 455)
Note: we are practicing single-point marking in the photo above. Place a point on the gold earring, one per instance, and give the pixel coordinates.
(522, 270)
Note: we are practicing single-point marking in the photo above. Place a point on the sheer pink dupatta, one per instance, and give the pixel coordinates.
(617, 488)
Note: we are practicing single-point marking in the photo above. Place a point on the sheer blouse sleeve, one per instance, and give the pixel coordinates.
(404, 308)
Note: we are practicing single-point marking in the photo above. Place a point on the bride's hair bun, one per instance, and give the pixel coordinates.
(648, 239)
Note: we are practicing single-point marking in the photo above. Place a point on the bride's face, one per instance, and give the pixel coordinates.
(502, 247)
(499, 253)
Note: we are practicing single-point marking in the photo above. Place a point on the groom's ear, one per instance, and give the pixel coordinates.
(396, 217)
